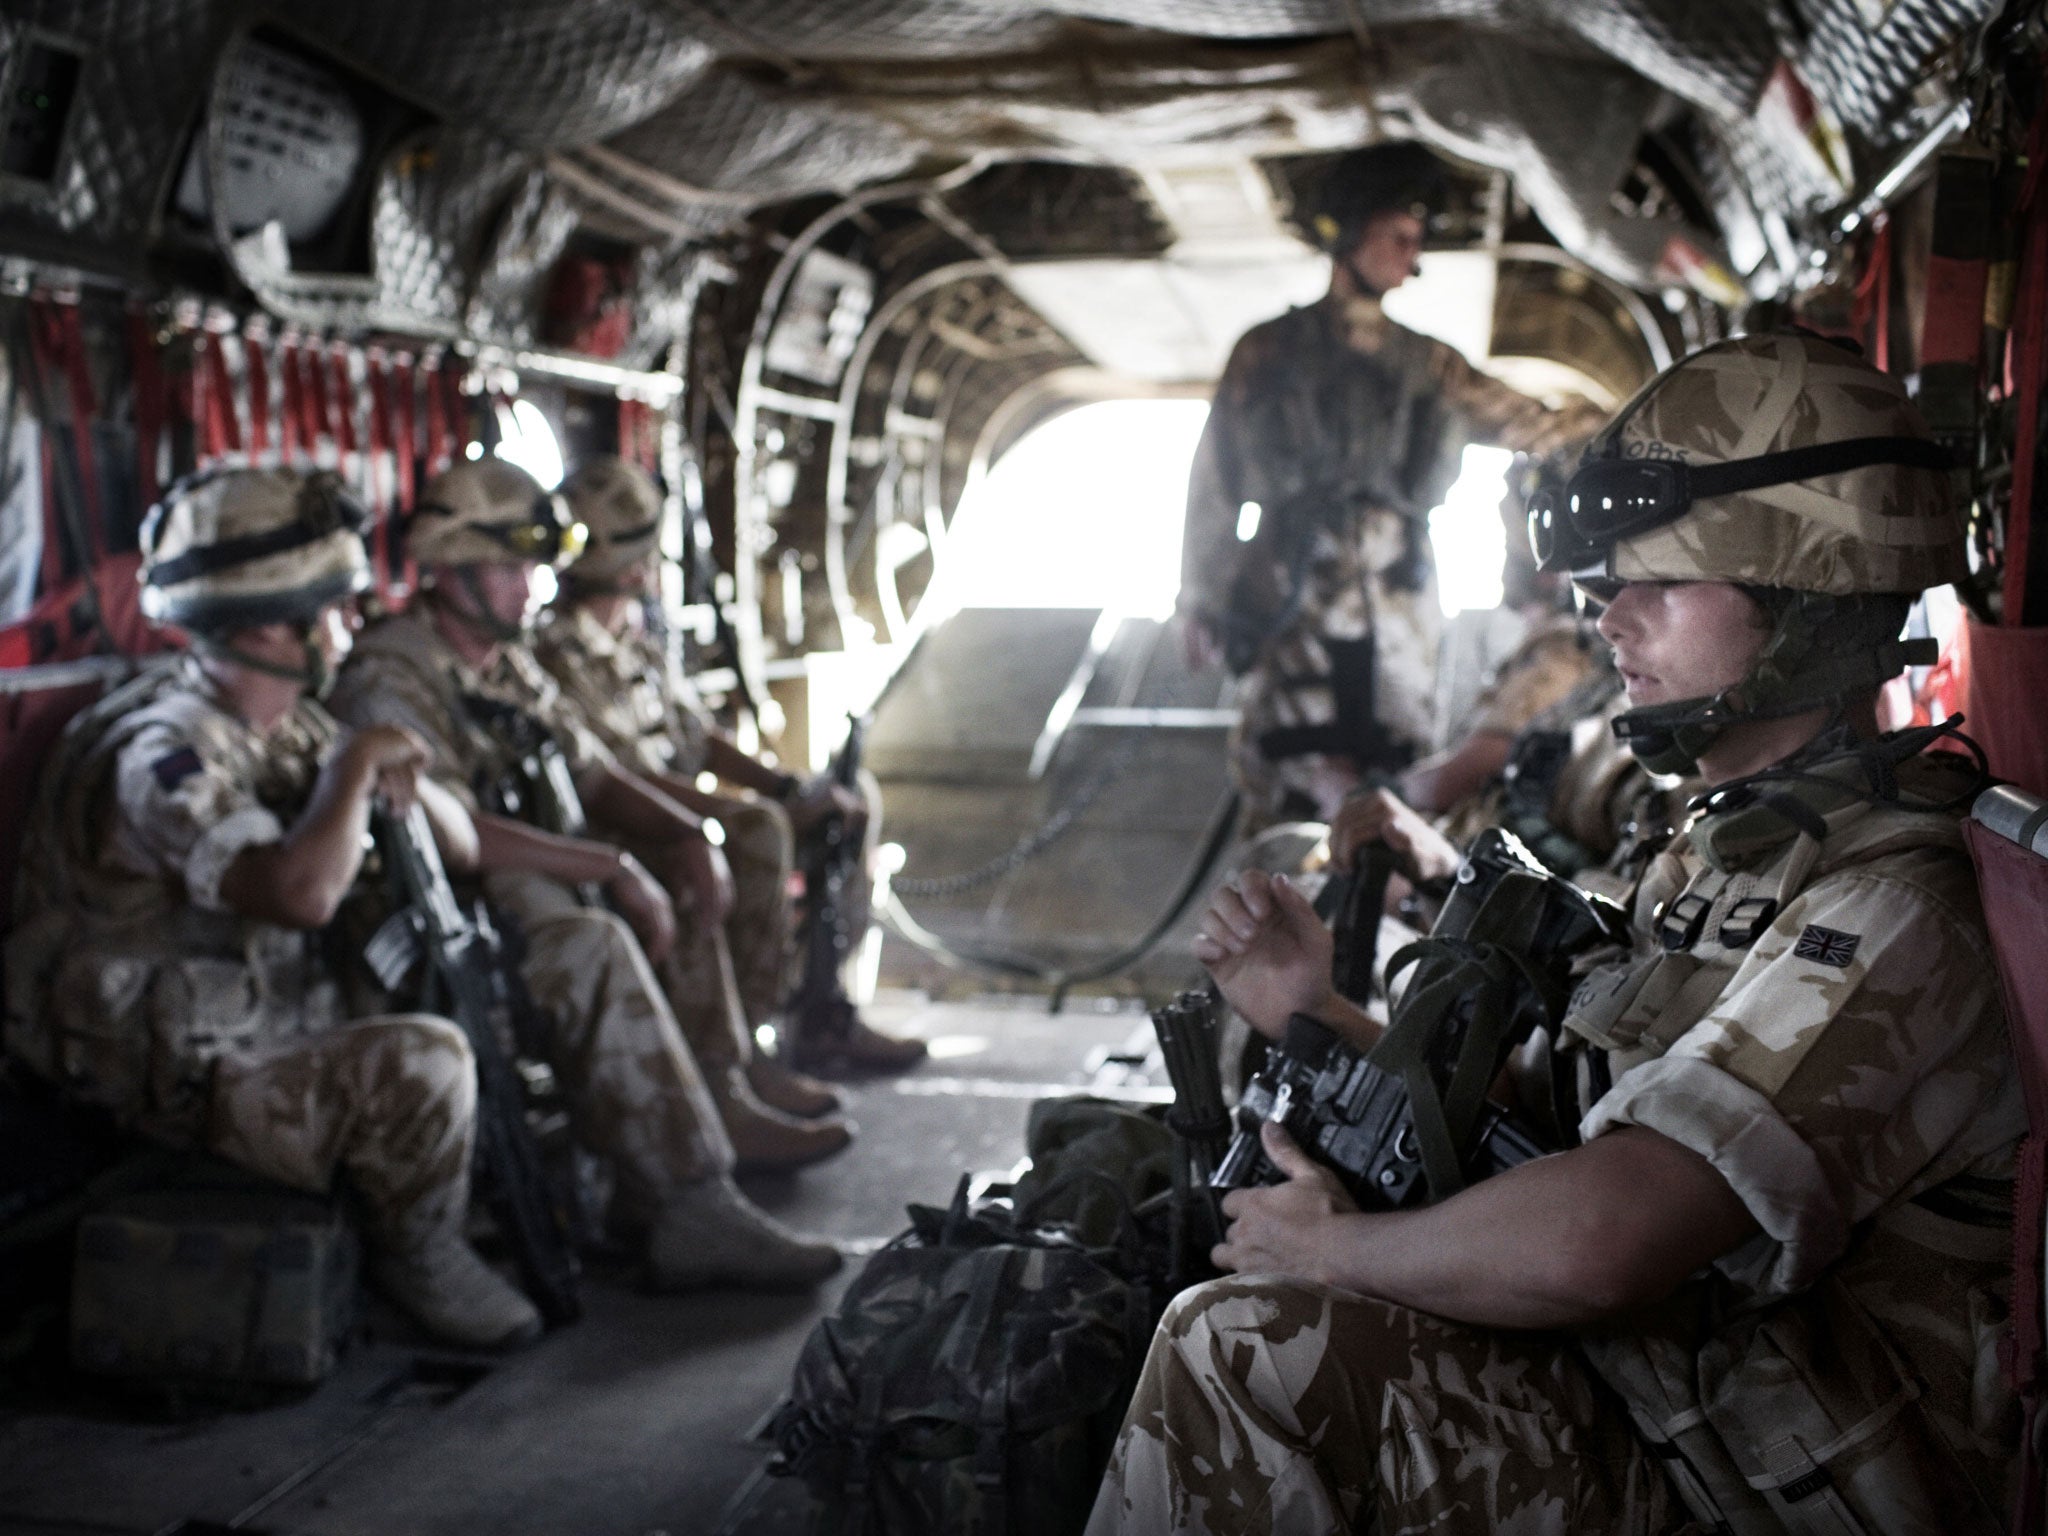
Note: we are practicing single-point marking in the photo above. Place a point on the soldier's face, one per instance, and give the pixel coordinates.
(507, 590)
(1385, 255)
(1682, 639)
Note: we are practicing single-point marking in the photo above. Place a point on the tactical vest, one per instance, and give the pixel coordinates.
(119, 992)
(1799, 1415)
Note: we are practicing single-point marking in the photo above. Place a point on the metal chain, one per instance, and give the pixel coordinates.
(1033, 843)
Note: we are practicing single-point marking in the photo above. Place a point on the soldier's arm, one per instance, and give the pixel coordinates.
(1560, 1242)
(454, 830)
(1508, 418)
(299, 880)
(512, 847)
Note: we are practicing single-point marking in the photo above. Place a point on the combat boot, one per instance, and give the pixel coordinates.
(836, 1039)
(765, 1140)
(790, 1091)
(710, 1234)
(443, 1286)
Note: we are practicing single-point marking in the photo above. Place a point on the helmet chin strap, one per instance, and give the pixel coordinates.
(315, 677)
(479, 617)
(1791, 676)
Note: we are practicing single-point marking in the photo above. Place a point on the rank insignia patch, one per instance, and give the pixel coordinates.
(174, 768)
(1829, 946)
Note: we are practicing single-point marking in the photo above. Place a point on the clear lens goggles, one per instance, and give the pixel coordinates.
(1609, 500)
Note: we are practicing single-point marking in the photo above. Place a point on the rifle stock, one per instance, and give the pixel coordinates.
(466, 981)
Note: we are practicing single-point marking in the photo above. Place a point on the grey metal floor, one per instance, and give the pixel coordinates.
(642, 1418)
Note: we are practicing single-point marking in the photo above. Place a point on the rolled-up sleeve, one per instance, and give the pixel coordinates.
(1857, 1055)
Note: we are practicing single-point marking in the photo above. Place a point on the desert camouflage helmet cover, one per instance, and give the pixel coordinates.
(1880, 528)
(620, 504)
(230, 549)
(490, 512)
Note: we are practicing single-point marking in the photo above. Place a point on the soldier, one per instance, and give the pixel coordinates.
(194, 833)
(466, 569)
(629, 690)
(636, 1091)
(1306, 563)
(1765, 1289)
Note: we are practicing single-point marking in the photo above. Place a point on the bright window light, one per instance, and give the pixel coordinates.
(1471, 545)
(526, 439)
(1084, 512)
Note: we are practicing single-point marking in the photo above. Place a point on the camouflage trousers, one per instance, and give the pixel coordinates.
(388, 1101)
(1359, 662)
(1276, 1407)
(636, 1093)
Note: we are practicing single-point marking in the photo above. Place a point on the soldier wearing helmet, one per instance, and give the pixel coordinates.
(1306, 563)
(1760, 1287)
(454, 670)
(630, 690)
(194, 832)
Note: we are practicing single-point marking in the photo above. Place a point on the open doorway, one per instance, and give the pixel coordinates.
(1084, 512)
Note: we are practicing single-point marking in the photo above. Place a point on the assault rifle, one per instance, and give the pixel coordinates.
(467, 978)
(820, 1006)
(1410, 1121)
(540, 789)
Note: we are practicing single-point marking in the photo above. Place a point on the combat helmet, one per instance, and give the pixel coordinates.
(232, 549)
(1787, 465)
(1401, 175)
(489, 512)
(620, 505)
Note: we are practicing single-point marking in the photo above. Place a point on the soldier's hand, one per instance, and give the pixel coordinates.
(1282, 1229)
(391, 759)
(645, 906)
(1267, 949)
(1420, 851)
(822, 798)
(708, 877)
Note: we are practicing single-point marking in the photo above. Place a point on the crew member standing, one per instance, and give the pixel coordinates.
(1306, 565)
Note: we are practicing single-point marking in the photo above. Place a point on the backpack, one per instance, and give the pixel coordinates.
(971, 1382)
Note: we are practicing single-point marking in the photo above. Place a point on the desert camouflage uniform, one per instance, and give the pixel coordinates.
(1337, 398)
(635, 1090)
(1841, 1059)
(134, 986)
(633, 695)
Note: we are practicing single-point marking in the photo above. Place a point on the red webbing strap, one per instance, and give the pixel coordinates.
(319, 414)
(2030, 320)
(223, 427)
(257, 366)
(342, 402)
(290, 411)
(437, 419)
(50, 573)
(628, 410)
(378, 477)
(404, 441)
(150, 407)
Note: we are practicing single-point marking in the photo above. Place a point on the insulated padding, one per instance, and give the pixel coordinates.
(2008, 679)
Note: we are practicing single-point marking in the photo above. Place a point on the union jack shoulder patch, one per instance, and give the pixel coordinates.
(1828, 946)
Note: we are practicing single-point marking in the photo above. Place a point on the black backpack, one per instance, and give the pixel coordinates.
(973, 1379)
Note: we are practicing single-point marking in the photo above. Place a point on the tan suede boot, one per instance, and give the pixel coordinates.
(765, 1140)
(710, 1234)
(443, 1286)
(790, 1091)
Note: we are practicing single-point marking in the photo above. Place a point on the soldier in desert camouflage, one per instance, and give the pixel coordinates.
(637, 1094)
(194, 832)
(1762, 1291)
(1306, 563)
(629, 689)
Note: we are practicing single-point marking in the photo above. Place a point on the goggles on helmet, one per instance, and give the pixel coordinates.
(551, 534)
(1611, 499)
